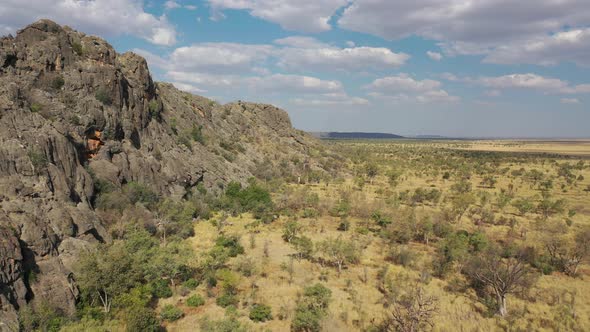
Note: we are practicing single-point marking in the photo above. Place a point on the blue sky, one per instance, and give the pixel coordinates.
(485, 68)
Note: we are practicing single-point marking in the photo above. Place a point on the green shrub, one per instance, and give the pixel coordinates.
(77, 47)
(260, 313)
(161, 289)
(231, 243)
(57, 83)
(35, 107)
(191, 283)
(223, 325)
(141, 319)
(171, 313)
(227, 299)
(154, 108)
(104, 97)
(139, 192)
(38, 159)
(197, 134)
(306, 320)
(195, 301)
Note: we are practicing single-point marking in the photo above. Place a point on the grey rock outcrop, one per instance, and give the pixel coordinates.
(73, 111)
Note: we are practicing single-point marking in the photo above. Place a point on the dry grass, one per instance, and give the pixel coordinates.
(358, 304)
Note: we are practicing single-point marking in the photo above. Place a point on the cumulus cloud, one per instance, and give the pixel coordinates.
(295, 53)
(403, 82)
(104, 18)
(301, 15)
(301, 42)
(405, 88)
(509, 31)
(331, 99)
(219, 57)
(356, 58)
(274, 83)
(434, 55)
(570, 101)
(572, 46)
(171, 4)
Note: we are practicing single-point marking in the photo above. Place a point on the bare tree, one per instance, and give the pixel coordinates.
(566, 256)
(412, 312)
(500, 276)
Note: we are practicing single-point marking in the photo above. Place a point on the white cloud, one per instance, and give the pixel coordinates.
(188, 88)
(301, 42)
(524, 81)
(350, 43)
(301, 15)
(356, 58)
(405, 88)
(509, 31)
(403, 82)
(170, 4)
(570, 101)
(274, 83)
(219, 57)
(104, 18)
(434, 55)
(302, 54)
(572, 46)
(333, 99)
(191, 7)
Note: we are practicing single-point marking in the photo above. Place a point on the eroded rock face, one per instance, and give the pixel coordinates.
(72, 111)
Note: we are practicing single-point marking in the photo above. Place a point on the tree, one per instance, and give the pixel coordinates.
(291, 230)
(311, 308)
(461, 202)
(303, 246)
(501, 276)
(412, 312)
(340, 251)
(566, 256)
(547, 207)
(107, 273)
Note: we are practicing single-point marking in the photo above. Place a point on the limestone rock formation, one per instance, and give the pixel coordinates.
(73, 111)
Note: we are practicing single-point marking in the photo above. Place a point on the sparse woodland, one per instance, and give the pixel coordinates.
(403, 236)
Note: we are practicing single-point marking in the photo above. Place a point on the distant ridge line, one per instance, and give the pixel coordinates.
(354, 135)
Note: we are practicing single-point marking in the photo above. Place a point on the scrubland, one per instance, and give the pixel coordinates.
(402, 236)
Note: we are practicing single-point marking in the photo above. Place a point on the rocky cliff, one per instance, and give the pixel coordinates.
(73, 112)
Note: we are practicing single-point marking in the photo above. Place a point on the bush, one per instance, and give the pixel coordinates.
(171, 313)
(77, 47)
(306, 320)
(38, 159)
(224, 325)
(138, 192)
(231, 243)
(260, 313)
(57, 83)
(104, 97)
(161, 289)
(191, 283)
(197, 134)
(195, 301)
(140, 319)
(226, 300)
(35, 107)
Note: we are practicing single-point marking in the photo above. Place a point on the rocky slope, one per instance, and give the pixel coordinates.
(72, 111)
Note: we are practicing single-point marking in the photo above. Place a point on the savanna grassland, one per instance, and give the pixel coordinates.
(402, 236)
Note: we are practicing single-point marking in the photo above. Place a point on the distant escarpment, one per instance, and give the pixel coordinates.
(75, 116)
